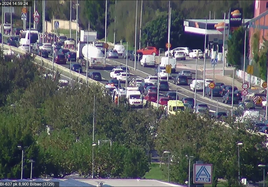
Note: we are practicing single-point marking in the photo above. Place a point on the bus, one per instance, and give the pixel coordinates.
(29, 37)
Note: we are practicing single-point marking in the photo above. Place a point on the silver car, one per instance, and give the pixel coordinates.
(112, 54)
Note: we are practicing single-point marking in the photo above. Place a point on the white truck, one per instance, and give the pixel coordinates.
(93, 55)
(169, 61)
(134, 97)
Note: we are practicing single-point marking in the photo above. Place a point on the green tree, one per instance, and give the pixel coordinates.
(235, 45)
(155, 33)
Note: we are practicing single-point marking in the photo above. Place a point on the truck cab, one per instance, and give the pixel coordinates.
(175, 106)
(133, 96)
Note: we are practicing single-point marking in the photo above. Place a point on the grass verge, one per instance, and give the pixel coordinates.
(156, 172)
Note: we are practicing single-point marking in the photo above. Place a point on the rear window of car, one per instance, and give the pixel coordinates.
(61, 56)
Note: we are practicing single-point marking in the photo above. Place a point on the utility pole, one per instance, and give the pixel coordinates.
(115, 3)
(136, 25)
(44, 19)
(34, 9)
(204, 68)
(77, 27)
(11, 17)
(30, 22)
(2, 28)
(93, 137)
(24, 20)
(169, 25)
(70, 22)
(106, 17)
(140, 24)
(223, 46)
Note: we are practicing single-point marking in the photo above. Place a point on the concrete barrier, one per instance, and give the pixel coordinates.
(62, 70)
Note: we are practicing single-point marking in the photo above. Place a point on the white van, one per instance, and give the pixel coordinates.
(120, 49)
(147, 60)
(29, 37)
(197, 84)
(134, 97)
(172, 61)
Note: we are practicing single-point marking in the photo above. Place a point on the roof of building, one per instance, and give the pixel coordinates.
(105, 182)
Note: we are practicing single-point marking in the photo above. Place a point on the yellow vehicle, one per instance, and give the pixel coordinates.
(175, 106)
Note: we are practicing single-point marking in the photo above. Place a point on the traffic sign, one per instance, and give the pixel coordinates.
(36, 19)
(168, 69)
(24, 10)
(211, 85)
(23, 16)
(202, 173)
(56, 24)
(168, 45)
(264, 85)
(245, 85)
(259, 100)
(250, 69)
(214, 61)
(36, 14)
(244, 92)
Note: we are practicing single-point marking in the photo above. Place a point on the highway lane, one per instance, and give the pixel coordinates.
(181, 93)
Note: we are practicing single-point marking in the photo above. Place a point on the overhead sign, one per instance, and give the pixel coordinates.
(23, 16)
(24, 10)
(202, 173)
(244, 92)
(211, 85)
(56, 24)
(245, 85)
(264, 84)
(168, 45)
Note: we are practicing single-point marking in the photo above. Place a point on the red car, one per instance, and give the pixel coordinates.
(60, 59)
(163, 100)
(149, 51)
(151, 97)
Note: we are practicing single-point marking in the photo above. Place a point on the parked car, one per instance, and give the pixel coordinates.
(149, 51)
(227, 98)
(193, 53)
(59, 59)
(70, 56)
(97, 76)
(77, 68)
(112, 54)
(179, 55)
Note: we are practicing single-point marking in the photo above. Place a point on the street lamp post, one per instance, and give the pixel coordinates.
(31, 174)
(263, 174)
(168, 153)
(189, 169)
(22, 159)
(238, 159)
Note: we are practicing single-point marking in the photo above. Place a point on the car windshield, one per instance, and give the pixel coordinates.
(153, 78)
(118, 71)
(134, 96)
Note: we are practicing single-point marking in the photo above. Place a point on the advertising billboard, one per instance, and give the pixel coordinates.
(235, 18)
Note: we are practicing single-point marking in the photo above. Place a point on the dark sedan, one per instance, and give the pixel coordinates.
(172, 95)
(96, 76)
(77, 68)
(217, 91)
(43, 53)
